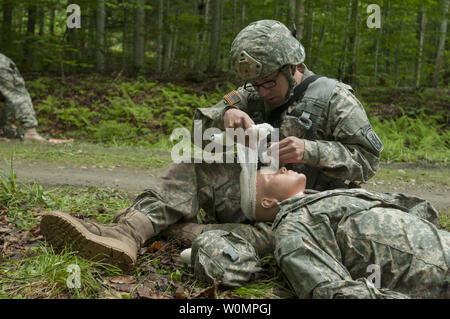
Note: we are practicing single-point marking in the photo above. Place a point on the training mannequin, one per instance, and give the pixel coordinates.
(325, 242)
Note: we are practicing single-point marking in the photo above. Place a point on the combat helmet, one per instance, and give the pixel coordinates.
(263, 47)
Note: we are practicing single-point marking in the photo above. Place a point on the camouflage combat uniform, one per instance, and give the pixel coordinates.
(340, 149)
(327, 242)
(17, 101)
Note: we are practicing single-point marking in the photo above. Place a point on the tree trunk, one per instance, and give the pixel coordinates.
(7, 23)
(353, 44)
(422, 24)
(441, 47)
(203, 39)
(377, 51)
(234, 17)
(160, 35)
(309, 32)
(300, 18)
(343, 65)
(168, 39)
(387, 32)
(41, 21)
(139, 36)
(20, 18)
(291, 13)
(100, 27)
(214, 43)
(126, 45)
(52, 21)
(322, 36)
(397, 58)
(31, 25)
(243, 15)
(175, 39)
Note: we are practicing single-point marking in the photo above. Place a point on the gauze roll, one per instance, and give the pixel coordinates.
(248, 159)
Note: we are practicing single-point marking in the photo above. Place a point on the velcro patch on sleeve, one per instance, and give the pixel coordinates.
(232, 98)
(373, 138)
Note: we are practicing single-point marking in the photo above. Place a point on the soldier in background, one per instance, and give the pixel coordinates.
(324, 133)
(17, 104)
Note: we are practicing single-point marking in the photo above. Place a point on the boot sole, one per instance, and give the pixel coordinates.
(60, 229)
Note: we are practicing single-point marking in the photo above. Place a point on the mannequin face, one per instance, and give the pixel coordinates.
(274, 188)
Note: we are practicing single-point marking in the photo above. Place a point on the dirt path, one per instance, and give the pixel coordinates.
(135, 180)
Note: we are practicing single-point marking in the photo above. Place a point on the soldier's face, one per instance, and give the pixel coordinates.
(277, 91)
(279, 185)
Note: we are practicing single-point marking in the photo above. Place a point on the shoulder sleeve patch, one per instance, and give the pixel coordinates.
(373, 138)
(232, 98)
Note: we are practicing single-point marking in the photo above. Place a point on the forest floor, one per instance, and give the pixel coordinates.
(94, 181)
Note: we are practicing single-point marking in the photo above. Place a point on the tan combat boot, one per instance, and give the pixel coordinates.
(117, 244)
(185, 232)
(33, 136)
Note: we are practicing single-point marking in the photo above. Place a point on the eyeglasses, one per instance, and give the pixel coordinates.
(267, 85)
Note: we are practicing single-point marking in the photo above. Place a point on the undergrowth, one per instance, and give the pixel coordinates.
(413, 125)
(35, 270)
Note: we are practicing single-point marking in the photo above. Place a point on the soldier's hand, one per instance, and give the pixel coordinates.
(290, 150)
(234, 118)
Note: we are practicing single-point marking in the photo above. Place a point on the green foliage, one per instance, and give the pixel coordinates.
(44, 274)
(95, 110)
(413, 139)
(19, 196)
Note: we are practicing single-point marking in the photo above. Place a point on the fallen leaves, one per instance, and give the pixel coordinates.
(15, 242)
(208, 293)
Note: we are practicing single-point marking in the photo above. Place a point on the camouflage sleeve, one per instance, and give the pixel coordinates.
(213, 116)
(354, 151)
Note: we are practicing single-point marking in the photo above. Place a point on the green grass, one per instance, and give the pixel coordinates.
(21, 200)
(42, 273)
(438, 177)
(81, 153)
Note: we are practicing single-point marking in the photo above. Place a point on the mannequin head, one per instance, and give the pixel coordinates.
(274, 187)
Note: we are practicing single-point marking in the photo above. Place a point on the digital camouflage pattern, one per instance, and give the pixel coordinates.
(225, 256)
(263, 47)
(339, 148)
(17, 101)
(342, 148)
(183, 189)
(325, 242)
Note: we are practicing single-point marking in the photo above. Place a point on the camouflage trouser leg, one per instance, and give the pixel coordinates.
(17, 100)
(411, 253)
(171, 198)
(183, 189)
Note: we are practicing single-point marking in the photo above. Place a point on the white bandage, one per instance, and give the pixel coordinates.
(248, 159)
